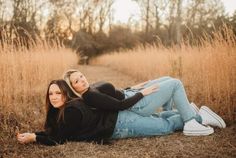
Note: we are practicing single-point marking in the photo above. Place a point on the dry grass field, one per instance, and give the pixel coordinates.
(208, 73)
(221, 144)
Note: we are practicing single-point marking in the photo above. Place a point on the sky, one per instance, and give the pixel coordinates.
(230, 6)
(124, 9)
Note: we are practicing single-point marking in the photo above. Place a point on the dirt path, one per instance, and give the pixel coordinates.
(221, 144)
(98, 73)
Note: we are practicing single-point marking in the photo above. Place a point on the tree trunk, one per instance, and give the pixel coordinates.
(178, 22)
(147, 16)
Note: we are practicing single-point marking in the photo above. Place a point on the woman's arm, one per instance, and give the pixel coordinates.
(106, 102)
(140, 85)
(25, 138)
(72, 118)
(119, 94)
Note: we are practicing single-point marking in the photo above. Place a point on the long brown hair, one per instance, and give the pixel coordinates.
(66, 93)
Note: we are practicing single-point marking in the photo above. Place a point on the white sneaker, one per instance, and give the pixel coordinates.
(193, 128)
(194, 107)
(211, 118)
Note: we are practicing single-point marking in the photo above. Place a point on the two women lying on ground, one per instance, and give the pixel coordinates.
(78, 111)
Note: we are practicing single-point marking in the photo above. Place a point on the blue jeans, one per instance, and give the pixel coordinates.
(142, 120)
(130, 124)
(170, 91)
(169, 104)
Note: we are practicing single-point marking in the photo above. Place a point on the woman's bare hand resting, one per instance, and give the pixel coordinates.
(149, 90)
(25, 138)
(139, 86)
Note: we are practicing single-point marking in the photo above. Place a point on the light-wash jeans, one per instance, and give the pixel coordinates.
(143, 120)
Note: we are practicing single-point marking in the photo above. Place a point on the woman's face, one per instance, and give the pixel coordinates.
(55, 96)
(79, 82)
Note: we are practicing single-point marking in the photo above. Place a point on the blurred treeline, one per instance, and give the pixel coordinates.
(88, 26)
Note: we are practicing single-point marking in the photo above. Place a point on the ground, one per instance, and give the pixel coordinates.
(221, 144)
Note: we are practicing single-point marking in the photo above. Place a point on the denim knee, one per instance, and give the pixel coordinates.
(177, 82)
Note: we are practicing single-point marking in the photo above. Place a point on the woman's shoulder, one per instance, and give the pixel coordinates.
(78, 104)
(101, 84)
(74, 103)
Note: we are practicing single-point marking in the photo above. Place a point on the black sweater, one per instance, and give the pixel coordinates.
(81, 123)
(109, 89)
(106, 97)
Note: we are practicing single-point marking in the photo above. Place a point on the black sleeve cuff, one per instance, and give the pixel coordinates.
(45, 140)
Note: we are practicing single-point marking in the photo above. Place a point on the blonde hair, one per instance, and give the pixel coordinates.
(66, 77)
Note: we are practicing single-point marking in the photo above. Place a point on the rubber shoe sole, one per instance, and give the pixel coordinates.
(215, 116)
(198, 132)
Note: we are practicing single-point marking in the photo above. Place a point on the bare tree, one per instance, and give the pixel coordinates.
(202, 11)
(147, 16)
(104, 12)
(178, 22)
(23, 24)
(62, 11)
(200, 16)
(152, 11)
(2, 11)
(145, 7)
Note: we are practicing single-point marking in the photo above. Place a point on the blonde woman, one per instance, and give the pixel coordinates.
(144, 99)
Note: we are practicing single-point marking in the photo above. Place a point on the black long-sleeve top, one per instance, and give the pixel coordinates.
(109, 89)
(81, 123)
(106, 97)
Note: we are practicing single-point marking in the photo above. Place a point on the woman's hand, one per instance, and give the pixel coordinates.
(139, 86)
(149, 90)
(25, 138)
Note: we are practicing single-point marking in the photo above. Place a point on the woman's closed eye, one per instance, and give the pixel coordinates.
(76, 81)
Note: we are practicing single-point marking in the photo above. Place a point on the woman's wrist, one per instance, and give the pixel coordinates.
(33, 137)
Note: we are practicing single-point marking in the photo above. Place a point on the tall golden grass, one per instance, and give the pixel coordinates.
(208, 71)
(25, 74)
